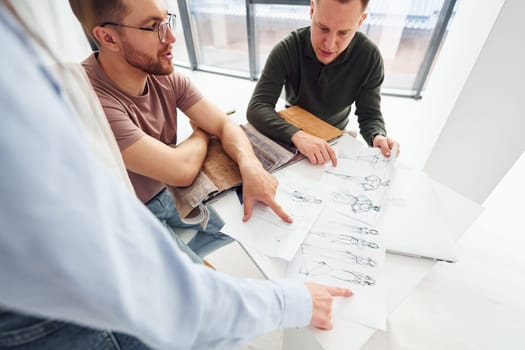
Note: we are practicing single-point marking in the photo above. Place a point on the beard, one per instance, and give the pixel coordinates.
(144, 62)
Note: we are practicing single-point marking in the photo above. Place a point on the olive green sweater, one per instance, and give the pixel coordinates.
(327, 91)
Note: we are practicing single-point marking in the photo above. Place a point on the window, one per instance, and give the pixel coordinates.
(180, 52)
(220, 34)
(236, 36)
(409, 34)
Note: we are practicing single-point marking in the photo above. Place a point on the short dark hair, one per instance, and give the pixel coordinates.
(363, 2)
(92, 13)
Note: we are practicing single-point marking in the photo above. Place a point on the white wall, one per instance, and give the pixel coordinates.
(483, 136)
(418, 124)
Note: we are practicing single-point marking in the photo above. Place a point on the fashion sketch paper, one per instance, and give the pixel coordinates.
(345, 246)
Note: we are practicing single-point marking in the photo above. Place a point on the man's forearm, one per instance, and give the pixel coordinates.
(371, 124)
(268, 122)
(195, 148)
(238, 147)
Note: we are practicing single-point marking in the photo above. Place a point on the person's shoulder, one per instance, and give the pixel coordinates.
(108, 94)
(298, 36)
(294, 41)
(90, 65)
(365, 43)
(99, 80)
(303, 32)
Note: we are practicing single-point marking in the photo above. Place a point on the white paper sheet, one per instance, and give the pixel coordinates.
(345, 246)
(336, 236)
(347, 253)
(265, 232)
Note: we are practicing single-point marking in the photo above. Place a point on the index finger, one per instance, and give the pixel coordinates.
(332, 155)
(277, 209)
(248, 207)
(339, 292)
(385, 148)
(392, 144)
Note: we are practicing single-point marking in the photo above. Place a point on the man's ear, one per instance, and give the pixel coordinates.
(362, 19)
(312, 8)
(107, 38)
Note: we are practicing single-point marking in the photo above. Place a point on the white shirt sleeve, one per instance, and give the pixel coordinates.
(75, 245)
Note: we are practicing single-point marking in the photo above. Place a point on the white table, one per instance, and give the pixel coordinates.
(403, 274)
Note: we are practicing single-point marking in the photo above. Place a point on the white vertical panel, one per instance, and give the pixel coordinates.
(484, 134)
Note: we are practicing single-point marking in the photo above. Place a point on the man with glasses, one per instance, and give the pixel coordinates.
(324, 68)
(134, 78)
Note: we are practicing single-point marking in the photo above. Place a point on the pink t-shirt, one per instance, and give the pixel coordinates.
(154, 113)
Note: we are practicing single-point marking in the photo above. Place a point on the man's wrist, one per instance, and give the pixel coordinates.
(295, 135)
(374, 136)
(249, 164)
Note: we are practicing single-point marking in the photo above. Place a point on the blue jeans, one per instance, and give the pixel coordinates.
(21, 332)
(204, 242)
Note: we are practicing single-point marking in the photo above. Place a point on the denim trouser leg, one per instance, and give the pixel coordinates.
(22, 332)
(205, 241)
(183, 246)
(159, 206)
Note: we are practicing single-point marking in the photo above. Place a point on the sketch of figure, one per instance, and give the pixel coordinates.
(341, 221)
(358, 204)
(346, 239)
(338, 256)
(353, 277)
(374, 160)
(321, 268)
(368, 183)
(362, 230)
(298, 196)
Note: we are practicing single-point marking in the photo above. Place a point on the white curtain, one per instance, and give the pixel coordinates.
(56, 25)
(54, 21)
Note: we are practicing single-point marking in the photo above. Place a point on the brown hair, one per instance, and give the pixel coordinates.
(92, 13)
(363, 2)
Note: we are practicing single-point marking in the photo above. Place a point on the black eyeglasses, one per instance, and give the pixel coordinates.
(161, 30)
